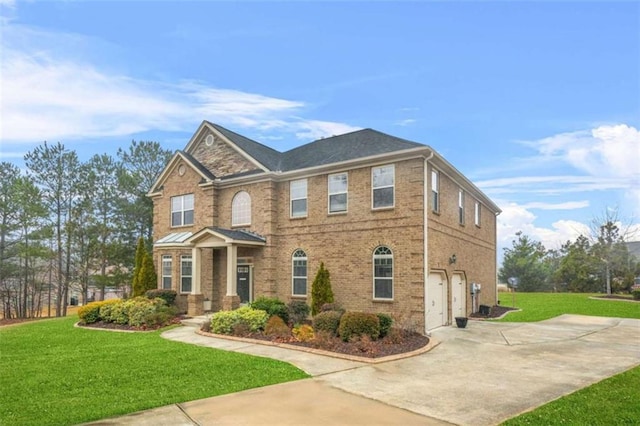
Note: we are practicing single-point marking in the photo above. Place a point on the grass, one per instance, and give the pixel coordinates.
(55, 374)
(613, 401)
(542, 306)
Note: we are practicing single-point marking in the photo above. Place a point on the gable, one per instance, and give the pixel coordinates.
(177, 166)
(219, 157)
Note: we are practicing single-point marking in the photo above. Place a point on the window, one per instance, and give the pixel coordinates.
(182, 210)
(338, 193)
(461, 206)
(185, 274)
(241, 209)
(383, 179)
(383, 273)
(299, 274)
(435, 191)
(298, 194)
(477, 214)
(166, 272)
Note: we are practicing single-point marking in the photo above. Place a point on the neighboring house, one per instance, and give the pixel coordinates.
(400, 230)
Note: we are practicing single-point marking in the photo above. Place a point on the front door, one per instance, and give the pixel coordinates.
(244, 283)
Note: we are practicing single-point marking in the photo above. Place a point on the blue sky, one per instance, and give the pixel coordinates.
(538, 103)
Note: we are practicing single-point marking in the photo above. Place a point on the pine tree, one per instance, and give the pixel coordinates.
(321, 292)
(147, 279)
(136, 289)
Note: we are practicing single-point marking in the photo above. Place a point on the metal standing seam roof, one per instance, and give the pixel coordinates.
(175, 237)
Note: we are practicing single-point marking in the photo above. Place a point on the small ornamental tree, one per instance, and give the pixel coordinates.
(140, 252)
(147, 279)
(321, 292)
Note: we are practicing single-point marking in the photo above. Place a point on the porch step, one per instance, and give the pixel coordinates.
(195, 321)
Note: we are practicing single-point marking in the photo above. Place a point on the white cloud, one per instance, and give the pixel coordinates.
(568, 205)
(405, 122)
(48, 94)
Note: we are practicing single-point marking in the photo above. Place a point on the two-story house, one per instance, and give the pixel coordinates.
(400, 230)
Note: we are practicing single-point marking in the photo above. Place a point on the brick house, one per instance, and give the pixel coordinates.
(399, 228)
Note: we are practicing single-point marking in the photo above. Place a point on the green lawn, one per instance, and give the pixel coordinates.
(613, 401)
(542, 306)
(54, 374)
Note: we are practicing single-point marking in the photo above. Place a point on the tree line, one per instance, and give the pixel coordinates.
(68, 225)
(599, 262)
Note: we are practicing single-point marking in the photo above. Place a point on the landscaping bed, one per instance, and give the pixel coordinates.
(496, 311)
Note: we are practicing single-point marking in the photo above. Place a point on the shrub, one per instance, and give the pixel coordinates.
(161, 316)
(298, 311)
(90, 312)
(636, 294)
(276, 327)
(327, 322)
(118, 313)
(139, 259)
(332, 307)
(272, 306)
(139, 309)
(303, 333)
(148, 279)
(223, 322)
(169, 296)
(385, 323)
(321, 292)
(358, 324)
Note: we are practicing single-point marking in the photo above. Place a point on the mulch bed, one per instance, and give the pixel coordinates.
(402, 342)
(617, 297)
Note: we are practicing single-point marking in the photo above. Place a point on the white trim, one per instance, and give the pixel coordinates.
(306, 198)
(293, 277)
(182, 210)
(168, 169)
(182, 259)
(239, 210)
(462, 211)
(383, 256)
(345, 192)
(393, 186)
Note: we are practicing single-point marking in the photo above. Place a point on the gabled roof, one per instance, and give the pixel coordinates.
(269, 157)
(350, 146)
(187, 158)
(226, 236)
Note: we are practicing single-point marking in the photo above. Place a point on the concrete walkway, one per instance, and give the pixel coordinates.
(481, 375)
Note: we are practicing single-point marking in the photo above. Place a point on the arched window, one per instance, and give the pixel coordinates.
(299, 273)
(241, 209)
(383, 273)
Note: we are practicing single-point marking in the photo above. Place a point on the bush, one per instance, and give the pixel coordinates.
(90, 312)
(321, 292)
(118, 313)
(385, 323)
(332, 307)
(169, 296)
(303, 333)
(224, 322)
(141, 308)
(298, 311)
(636, 294)
(276, 327)
(327, 322)
(272, 306)
(357, 324)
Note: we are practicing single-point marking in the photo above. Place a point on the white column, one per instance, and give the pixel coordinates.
(232, 283)
(196, 256)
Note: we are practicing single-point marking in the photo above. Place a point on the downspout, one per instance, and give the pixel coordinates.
(425, 256)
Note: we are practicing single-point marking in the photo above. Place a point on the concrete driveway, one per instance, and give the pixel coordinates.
(481, 375)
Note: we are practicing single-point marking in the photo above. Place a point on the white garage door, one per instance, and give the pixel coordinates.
(458, 296)
(435, 301)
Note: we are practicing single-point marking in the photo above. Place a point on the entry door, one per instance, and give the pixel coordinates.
(436, 296)
(458, 296)
(244, 283)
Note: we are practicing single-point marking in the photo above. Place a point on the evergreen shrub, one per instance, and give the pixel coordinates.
(298, 311)
(272, 306)
(357, 324)
(169, 296)
(321, 292)
(223, 322)
(327, 322)
(276, 327)
(385, 323)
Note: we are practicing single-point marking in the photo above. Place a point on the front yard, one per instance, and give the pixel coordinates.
(55, 374)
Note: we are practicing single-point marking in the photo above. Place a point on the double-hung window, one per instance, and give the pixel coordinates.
(182, 210)
(338, 185)
(477, 214)
(186, 274)
(383, 185)
(461, 206)
(383, 273)
(166, 272)
(299, 273)
(298, 195)
(435, 191)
